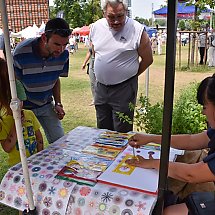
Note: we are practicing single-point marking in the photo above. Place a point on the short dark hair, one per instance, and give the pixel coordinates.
(57, 26)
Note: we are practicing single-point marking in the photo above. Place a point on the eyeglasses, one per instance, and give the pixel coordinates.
(60, 32)
(118, 17)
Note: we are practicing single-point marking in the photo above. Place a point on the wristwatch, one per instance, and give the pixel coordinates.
(58, 104)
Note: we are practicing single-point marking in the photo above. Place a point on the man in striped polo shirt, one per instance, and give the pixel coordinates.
(38, 64)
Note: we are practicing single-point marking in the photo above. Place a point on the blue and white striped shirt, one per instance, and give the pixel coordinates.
(38, 74)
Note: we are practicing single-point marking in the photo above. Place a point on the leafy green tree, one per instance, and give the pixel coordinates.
(182, 25)
(78, 12)
(142, 20)
(52, 12)
(160, 22)
(92, 11)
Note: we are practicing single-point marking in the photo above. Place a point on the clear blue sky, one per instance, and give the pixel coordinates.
(141, 8)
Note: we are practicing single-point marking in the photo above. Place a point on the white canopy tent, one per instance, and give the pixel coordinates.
(42, 28)
(29, 32)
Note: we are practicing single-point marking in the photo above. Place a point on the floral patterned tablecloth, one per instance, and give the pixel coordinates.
(57, 197)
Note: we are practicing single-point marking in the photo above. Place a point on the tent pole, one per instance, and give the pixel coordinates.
(168, 103)
(16, 108)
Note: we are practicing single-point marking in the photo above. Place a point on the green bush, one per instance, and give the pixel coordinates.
(187, 114)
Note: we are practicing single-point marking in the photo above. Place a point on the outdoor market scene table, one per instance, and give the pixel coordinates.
(57, 197)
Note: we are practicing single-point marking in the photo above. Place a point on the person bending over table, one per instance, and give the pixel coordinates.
(39, 63)
(206, 139)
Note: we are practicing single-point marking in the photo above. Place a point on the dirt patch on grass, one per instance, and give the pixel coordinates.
(157, 80)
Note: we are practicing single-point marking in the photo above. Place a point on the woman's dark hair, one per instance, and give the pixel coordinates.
(5, 95)
(206, 90)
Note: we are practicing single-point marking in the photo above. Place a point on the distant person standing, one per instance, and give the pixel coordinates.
(72, 44)
(203, 48)
(118, 41)
(211, 50)
(159, 43)
(39, 63)
(154, 43)
(89, 62)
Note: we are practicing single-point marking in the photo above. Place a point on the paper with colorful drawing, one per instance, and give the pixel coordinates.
(121, 174)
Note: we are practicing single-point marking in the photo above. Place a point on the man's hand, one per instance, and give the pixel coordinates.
(60, 112)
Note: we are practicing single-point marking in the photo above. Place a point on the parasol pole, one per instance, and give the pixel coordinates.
(16, 108)
(168, 103)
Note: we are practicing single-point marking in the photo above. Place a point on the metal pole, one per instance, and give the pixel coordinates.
(16, 105)
(168, 103)
(147, 82)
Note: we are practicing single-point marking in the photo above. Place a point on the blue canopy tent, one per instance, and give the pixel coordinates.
(183, 12)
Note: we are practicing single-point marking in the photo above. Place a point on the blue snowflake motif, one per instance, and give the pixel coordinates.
(52, 190)
(107, 197)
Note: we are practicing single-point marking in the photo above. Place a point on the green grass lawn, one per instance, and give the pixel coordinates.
(76, 96)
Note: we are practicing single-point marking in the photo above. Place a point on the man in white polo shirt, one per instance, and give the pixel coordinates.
(118, 42)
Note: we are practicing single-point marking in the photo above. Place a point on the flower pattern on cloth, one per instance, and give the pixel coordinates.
(58, 197)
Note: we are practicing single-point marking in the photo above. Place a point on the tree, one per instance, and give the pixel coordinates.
(78, 12)
(160, 22)
(142, 20)
(182, 25)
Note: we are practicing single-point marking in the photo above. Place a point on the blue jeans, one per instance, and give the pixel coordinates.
(50, 122)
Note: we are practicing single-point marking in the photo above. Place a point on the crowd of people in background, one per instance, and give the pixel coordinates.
(206, 44)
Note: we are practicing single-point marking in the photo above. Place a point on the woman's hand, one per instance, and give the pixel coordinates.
(138, 140)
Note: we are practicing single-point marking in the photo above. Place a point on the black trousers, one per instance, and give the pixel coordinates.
(202, 53)
(113, 99)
